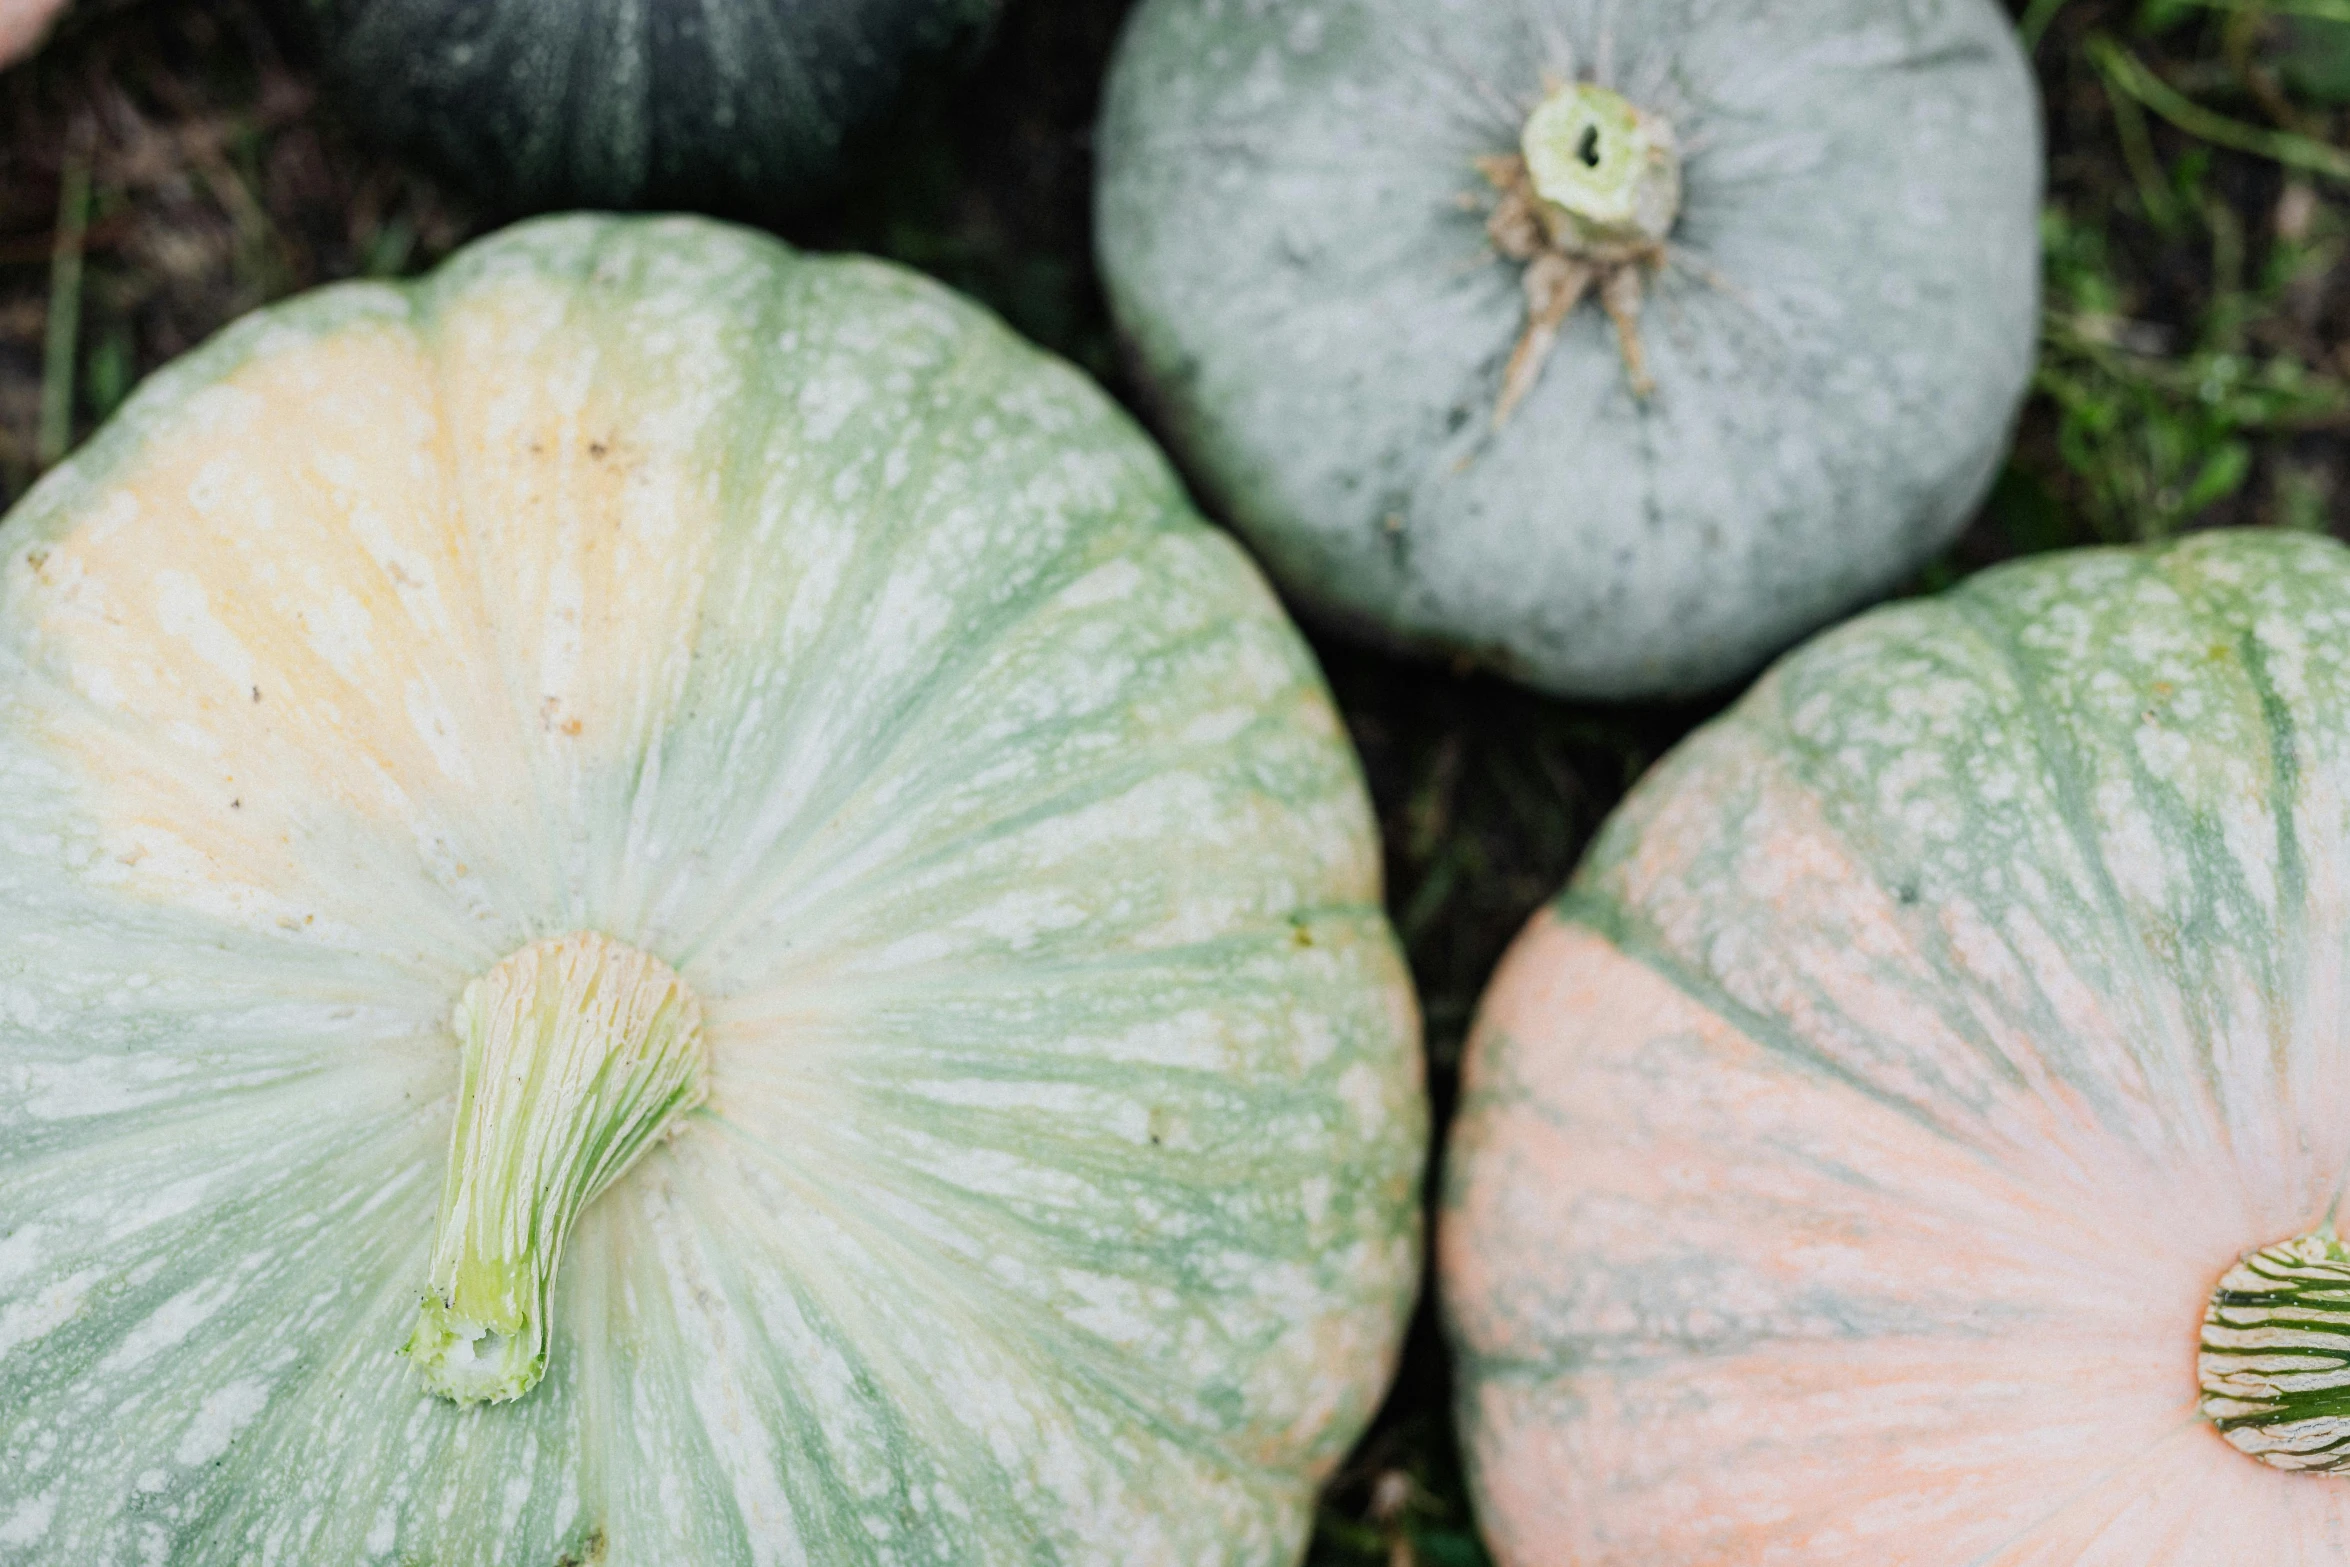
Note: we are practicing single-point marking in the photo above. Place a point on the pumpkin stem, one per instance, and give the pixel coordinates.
(2275, 1365)
(1606, 173)
(1586, 202)
(578, 1053)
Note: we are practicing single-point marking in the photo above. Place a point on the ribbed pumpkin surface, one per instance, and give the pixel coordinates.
(1054, 1199)
(1850, 1156)
(1292, 221)
(735, 105)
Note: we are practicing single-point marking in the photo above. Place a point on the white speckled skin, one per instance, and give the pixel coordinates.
(1839, 344)
(1056, 1195)
(1846, 1162)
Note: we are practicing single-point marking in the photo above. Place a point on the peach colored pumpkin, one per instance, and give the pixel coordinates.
(1849, 1159)
(23, 23)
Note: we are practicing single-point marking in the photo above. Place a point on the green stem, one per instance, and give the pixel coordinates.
(2126, 73)
(2318, 10)
(2275, 1365)
(2034, 26)
(578, 1054)
(1612, 171)
(63, 342)
(2137, 143)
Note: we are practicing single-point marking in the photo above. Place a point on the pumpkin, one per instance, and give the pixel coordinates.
(1611, 346)
(1917, 1135)
(23, 24)
(661, 904)
(737, 105)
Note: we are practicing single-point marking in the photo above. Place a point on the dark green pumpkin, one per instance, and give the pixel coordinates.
(728, 105)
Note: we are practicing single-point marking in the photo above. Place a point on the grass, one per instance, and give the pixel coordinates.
(2192, 372)
(168, 164)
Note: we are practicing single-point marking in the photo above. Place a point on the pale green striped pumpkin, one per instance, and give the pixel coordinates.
(1919, 1134)
(802, 741)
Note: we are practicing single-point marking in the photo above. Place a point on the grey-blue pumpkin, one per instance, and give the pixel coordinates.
(1614, 345)
(723, 105)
